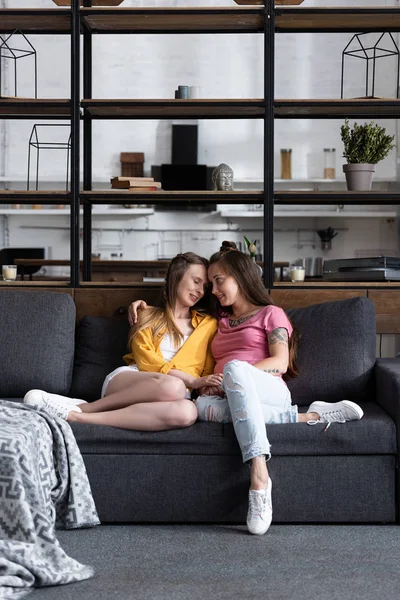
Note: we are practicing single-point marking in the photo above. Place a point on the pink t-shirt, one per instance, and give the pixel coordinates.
(248, 341)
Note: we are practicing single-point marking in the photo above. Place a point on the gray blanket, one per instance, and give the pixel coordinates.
(43, 483)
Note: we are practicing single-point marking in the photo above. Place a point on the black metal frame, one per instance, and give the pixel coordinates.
(4, 44)
(75, 143)
(362, 53)
(36, 143)
(87, 151)
(269, 74)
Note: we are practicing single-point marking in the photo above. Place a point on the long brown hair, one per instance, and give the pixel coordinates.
(161, 318)
(246, 274)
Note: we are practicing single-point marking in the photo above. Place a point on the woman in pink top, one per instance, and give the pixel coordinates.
(254, 348)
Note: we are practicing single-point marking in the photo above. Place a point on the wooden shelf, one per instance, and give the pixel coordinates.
(336, 197)
(36, 20)
(174, 20)
(277, 2)
(42, 283)
(309, 214)
(242, 197)
(236, 19)
(321, 109)
(337, 20)
(177, 198)
(336, 284)
(166, 109)
(34, 197)
(55, 212)
(241, 108)
(30, 108)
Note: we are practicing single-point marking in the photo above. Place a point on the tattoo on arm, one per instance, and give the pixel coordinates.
(271, 370)
(278, 336)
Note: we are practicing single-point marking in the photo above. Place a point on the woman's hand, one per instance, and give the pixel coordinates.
(132, 310)
(212, 390)
(214, 380)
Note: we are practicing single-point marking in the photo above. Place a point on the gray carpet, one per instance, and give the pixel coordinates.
(193, 562)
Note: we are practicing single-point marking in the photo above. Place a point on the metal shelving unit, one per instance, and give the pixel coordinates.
(266, 20)
(223, 20)
(49, 22)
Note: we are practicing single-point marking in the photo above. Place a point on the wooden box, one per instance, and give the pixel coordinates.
(132, 164)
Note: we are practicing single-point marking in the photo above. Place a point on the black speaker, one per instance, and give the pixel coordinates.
(184, 144)
(184, 177)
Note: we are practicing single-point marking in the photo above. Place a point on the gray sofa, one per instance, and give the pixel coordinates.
(346, 474)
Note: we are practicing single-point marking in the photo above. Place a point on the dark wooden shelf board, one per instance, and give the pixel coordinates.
(174, 20)
(241, 108)
(337, 197)
(34, 197)
(27, 108)
(320, 285)
(36, 20)
(175, 198)
(374, 108)
(165, 109)
(332, 20)
(236, 19)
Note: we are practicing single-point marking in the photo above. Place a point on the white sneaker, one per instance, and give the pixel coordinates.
(339, 412)
(259, 515)
(53, 404)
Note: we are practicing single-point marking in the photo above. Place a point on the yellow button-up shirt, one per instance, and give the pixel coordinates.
(194, 356)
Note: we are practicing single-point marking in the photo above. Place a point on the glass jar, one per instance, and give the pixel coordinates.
(297, 273)
(286, 164)
(329, 163)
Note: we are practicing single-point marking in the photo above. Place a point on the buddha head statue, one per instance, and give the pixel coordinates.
(222, 178)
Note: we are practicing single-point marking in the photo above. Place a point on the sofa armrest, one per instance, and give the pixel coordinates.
(387, 386)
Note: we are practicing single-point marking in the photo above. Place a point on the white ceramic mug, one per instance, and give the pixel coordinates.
(194, 91)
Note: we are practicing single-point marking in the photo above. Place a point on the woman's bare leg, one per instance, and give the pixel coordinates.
(258, 473)
(129, 388)
(149, 416)
(304, 417)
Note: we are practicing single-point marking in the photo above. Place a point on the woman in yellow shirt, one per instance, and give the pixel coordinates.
(170, 355)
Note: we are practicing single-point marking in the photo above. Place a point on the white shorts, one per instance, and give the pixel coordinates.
(117, 371)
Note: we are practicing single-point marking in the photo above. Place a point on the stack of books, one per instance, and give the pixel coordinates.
(135, 184)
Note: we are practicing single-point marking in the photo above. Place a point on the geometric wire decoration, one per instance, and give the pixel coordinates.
(36, 143)
(6, 51)
(361, 49)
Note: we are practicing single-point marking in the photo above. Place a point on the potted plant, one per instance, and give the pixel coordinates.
(364, 146)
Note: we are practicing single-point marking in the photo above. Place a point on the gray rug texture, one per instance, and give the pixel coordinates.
(216, 562)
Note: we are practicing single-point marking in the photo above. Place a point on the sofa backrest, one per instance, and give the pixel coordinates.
(37, 331)
(100, 345)
(336, 352)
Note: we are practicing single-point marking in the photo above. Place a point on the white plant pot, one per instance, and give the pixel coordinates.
(359, 176)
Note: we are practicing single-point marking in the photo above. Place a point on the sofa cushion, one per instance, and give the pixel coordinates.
(336, 352)
(100, 346)
(37, 342)
(375, 433)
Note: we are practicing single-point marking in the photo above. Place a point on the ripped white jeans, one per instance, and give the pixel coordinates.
(253, 399)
